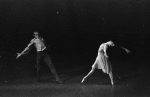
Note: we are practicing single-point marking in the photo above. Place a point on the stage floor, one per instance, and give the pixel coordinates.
(94, 86)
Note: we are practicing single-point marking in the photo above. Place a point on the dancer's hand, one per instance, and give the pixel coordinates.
(127, 51)
(18, 55)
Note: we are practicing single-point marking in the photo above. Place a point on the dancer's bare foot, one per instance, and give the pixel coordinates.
(112, 83)
(82, 81)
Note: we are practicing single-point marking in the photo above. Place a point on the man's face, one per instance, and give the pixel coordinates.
(36, 36)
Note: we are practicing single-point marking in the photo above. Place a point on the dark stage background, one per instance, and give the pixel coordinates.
(74, 29)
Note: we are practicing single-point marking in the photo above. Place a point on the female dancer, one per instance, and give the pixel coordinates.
(102, 61)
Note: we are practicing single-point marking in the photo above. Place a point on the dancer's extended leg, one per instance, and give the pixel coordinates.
(92, 70)
(38, 67)
(49, 63)
(111, 78)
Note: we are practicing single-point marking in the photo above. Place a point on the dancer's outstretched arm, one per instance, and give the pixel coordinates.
(92, 70)
(128, 51)
(27, 48)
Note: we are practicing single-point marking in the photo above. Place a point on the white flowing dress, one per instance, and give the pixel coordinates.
(102, 62)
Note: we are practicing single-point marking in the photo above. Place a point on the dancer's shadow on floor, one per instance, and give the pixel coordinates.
(127, 77)
(72, 76)
(96, 78)
(43, 80)
(46, 81)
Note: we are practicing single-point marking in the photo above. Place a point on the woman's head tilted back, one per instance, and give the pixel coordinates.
(110, 43)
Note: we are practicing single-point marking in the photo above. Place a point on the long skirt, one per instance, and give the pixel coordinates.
(102, 62)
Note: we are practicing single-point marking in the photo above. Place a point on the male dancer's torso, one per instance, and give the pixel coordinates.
(39, 44)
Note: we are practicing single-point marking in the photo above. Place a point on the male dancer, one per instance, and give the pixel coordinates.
(41, 53)
(102, 61)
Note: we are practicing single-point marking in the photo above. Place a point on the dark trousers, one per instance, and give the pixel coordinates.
(44, 55)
